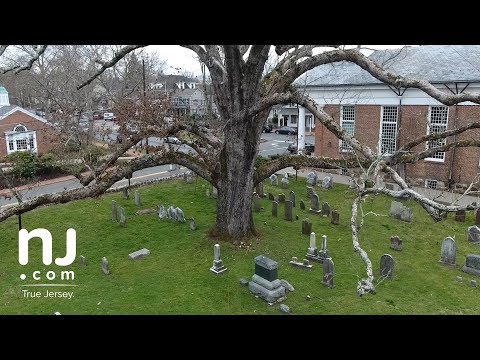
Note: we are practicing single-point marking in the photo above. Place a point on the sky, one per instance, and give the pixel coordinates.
(181, 60)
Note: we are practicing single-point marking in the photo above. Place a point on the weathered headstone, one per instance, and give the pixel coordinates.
(477, 217)
(396, 243)
(312, 249)
(139, 254)
(114, 211)
(188, 176)
(473, 283)
(214, 192)
(256, 203)
(288, 210)
(323, 253)
(311, 178)
(193, 225)
(172, 213)
(180, 217)
(335, 217)
(105, 266)
(285, 181)
(259, 189)
(325, 209)
(162, 214)
(217, 267)
(327, 182)
(271, 197)
(273, 180)
(123, 220)
(281, 198)
(291, 197)
(284, 309)
(274, 208)
(137, 199)
(460, 216)
(306, 226)
(265, 283)
(400, 212)
(302, 265)
(473, 234)
(472, 264)
(82, 261)
(448, 252)
(315, 205)
(386, 266)
(302, 205)
(145, 212)
(328, 272)
(207, 192)
(126, 193)
(310, 192)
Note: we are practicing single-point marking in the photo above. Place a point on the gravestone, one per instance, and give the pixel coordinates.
(180, 217)
(285, 181)
(448, 252)
(193, 225)
(139, 254)
(396, 243)
(312, 249)
(82, 261)
(325, 209)
(281, 198)
(323, 253)
(473, 234)
(214, 192)
(328, 273)
(315, 205)
(123, 220)
(271, 197)
(311, 178)
(288, 210)
(126, 193)
(146, 212)
(306, 227)
(265, 283)
(400, 212)
(460, 216)
(386, 266)
(105, 266)
(207, 192)
(188, 176)
(327, 182)
(273, 180)
(256, 203)
(302, 265)
(472, 264)
(310, 192)
(114, 211)
(274, 208)
(162, 214)
(172, 213)
(473, 283)
(259, 189)
(217, 267)
(291, 197)
(137, 199)
(477, 217)
(335, 217)
(302, 205)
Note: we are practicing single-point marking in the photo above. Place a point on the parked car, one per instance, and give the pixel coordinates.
(267, 128)
(97, 117)
(286, 130)
(109, 116)
(172, 140)
(308, 150)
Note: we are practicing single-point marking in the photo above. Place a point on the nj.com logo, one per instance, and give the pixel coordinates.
(24, 236)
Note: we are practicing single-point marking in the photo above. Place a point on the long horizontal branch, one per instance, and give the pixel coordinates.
(119, 55)
(39, 50)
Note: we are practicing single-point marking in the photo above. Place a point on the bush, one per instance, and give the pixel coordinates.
(26, 165)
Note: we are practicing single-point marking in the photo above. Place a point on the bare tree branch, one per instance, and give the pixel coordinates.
(2, 49)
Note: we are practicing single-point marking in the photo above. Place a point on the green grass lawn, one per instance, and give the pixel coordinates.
(175, 278)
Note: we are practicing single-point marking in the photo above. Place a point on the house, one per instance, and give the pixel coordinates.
(386, 118)
(22, 130)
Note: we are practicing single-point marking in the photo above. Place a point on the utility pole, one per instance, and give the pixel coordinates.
(144, 98)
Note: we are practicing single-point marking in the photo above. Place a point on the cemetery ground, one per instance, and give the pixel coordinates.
(175, 277)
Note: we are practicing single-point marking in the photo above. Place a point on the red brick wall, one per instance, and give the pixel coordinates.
(45, 135)
(412, 124)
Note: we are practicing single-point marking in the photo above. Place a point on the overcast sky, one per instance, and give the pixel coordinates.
(180, 59)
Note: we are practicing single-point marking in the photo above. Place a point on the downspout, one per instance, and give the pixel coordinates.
(402, 168)
(451, 181)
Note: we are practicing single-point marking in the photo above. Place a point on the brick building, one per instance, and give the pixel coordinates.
(21, 130)
(386, 118)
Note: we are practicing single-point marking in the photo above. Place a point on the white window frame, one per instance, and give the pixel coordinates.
(431, 184)
(343, 147)
(29, 136)
(381, 130)
(444, 141)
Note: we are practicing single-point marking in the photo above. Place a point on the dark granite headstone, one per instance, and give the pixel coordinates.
(448, 252)
(288, 210)
(302, 205)
(256, 203)
(328, 273)
(274, 208)
(335, 217)
(291, 197)
(460, 216)
(266, 268)
(306, 227)
(472, 264)
(396, 243)
(386, 266)
(271, 197)
(473, 234)
(325, 209)
(281, 198)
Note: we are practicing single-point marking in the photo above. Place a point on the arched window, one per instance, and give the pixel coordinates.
(20, 128)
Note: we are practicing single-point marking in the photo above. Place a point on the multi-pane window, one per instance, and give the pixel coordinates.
(437, 123)
(347, 123)
(31, 143)
(21, 144)
(388, 130)
(293, 119)
(10, 145)
(431, 184)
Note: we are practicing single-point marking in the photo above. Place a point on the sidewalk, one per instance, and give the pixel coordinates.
(8, 192)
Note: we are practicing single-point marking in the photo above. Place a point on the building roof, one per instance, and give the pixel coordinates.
(3, 90)
(5, 109)
(10, 109)
(435, 63)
